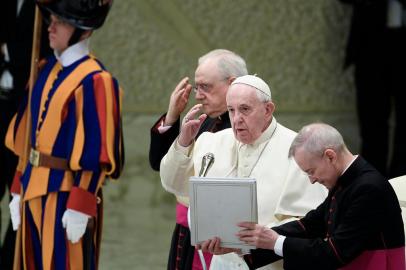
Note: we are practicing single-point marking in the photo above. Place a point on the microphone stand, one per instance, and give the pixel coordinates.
(207, 162)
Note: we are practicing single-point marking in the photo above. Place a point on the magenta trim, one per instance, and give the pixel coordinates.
(383, 259)
(181, 215)
(197, 265)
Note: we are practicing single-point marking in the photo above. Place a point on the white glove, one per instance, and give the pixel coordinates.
(75, 223)
(15, 213)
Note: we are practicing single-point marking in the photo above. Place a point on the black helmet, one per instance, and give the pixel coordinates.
(83, 14)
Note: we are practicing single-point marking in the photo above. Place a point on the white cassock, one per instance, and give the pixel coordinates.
(284, 192)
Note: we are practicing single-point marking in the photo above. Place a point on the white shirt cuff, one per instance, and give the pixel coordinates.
(162, 128)
(244, 251)
(279, 245)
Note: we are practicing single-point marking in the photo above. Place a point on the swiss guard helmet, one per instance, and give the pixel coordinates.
(83, 14)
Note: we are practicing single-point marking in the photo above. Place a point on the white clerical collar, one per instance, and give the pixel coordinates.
(349, 164)
(73, 53)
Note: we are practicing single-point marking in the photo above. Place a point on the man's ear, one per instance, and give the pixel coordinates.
(270, 108)
(87, 34)
(330, 154)
(231, 79)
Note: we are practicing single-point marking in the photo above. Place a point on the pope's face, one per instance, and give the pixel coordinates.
(211, 88)
(59, 33)
(319, 168)
(248, 115)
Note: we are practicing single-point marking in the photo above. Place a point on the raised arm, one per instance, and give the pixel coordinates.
(166, 129)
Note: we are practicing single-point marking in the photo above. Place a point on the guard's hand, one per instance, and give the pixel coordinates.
(75, 223)
(191, 125)
(213, 246)
(178, 101)
(15, 212)
(257, 235)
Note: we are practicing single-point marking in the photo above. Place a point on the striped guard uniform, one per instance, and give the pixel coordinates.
(76, 116)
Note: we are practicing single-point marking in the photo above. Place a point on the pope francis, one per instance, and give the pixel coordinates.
(256, 146)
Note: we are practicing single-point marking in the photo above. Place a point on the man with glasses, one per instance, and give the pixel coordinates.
(358, 226)
(256, 147)
(214, 73)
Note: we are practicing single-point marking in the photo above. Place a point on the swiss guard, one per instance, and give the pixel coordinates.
(68, 137)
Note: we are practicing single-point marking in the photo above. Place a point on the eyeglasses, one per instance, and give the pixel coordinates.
(205, 87)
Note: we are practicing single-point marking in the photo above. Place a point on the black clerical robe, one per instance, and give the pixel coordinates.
(358, 226)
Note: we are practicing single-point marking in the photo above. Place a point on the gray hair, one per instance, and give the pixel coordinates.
(264, 98)
(229, 63)
(316, 138)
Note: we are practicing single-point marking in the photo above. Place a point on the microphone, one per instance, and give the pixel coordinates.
(207, 161)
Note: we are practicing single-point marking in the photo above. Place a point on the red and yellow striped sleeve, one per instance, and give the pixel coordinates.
(97, 149)
(15, 140)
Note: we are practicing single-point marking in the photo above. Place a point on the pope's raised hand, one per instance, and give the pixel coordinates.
(190, 125)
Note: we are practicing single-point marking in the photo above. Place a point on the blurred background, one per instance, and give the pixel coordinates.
(149, 45)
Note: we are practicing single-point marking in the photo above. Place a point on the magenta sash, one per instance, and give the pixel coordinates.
(181, 215)
(383, 259)
(181, 218)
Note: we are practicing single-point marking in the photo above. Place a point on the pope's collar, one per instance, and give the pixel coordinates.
(73, 53)
(266, 135)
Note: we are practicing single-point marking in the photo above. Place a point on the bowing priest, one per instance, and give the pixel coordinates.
(358, 226)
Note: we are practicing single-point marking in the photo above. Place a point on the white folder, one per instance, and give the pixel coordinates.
(217, 205)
